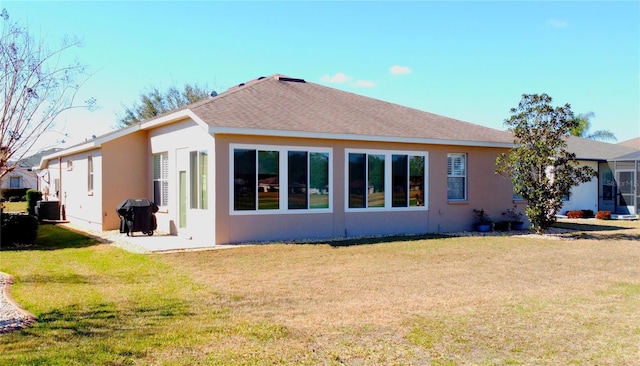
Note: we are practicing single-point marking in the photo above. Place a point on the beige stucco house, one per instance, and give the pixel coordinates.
(279, 158)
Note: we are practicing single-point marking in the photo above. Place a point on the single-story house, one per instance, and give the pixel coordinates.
(279, 158)
(614, 186)
(22, 177)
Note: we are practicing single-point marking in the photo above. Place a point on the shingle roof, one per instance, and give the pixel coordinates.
(587, 149)
(284, 104)
(631, 156)
(635, 143)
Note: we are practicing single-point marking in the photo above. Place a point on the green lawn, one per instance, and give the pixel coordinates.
(438, 301)
(15, 206)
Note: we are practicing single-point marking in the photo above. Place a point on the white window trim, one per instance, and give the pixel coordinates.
(164, 154)
(90, 175)
(283, 178)
(465, 176)
(387, 181)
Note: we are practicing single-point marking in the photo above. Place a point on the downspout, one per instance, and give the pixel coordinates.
(62, 212)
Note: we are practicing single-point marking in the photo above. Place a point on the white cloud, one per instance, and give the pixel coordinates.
(364, 84)
(557, 23)
(338, 78)
(341, 78)
(400, 70)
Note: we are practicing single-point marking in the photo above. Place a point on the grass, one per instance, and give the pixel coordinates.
(431, 300)
(15, 206)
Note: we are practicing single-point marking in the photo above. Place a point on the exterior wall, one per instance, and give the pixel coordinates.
(486, 190)
(178, 140)
(124, 174)
(585, 195)
(81, 206)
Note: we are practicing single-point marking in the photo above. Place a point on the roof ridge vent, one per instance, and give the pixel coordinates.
(292, 80)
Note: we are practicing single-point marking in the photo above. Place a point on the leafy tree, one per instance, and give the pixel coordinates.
(541, 169)
(155, 103)
(37, 86)
(583, 125)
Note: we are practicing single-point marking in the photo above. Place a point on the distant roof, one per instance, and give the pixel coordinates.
(635, 143)
(631, 156)
(587, 149)
(280, 103)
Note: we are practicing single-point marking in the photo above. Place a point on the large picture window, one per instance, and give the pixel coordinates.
(161, 179)
(280, 179)
(380, 179)
(457, 177)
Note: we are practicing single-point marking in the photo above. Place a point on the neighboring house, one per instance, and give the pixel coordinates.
(20, 177)
(634, 143)
(279, 158)
(23, 176)
(606, 191)
(626, 187)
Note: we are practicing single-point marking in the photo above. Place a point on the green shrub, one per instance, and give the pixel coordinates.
(14, 199)
(33, 196)
(7, 193)
(18, 229)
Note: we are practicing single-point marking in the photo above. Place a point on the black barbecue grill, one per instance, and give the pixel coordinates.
(137, 214)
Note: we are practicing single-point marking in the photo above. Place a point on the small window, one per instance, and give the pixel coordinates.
(69, 165)
(457, 177)
(14, 182)
(198, 162)
(161, 179)
(90, 174)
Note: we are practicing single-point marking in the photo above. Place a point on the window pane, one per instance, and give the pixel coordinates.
(375, 184)
(399, 180)
(244, 179)
(297, 196)
(268, 180)
(157, 192)
(14, 182)
(356, 180)
(455, 188)
(416, 178)
(456, 180)
(193, 170)
(156, 166)
(318, 180)
(204, 197)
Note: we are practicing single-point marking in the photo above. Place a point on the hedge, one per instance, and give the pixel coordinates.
(603, 215)
(18, 229)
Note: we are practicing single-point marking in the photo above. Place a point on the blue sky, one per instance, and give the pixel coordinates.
(466, 60)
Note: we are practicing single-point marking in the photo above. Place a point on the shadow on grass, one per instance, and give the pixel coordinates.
(587, 227)
(377, 240)
(99, 333)
(606, 236)
(53, 237)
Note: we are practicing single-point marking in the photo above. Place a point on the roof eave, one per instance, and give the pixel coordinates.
(145, 125)
(354, 137)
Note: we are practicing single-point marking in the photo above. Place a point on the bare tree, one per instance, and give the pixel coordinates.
(37, 83)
